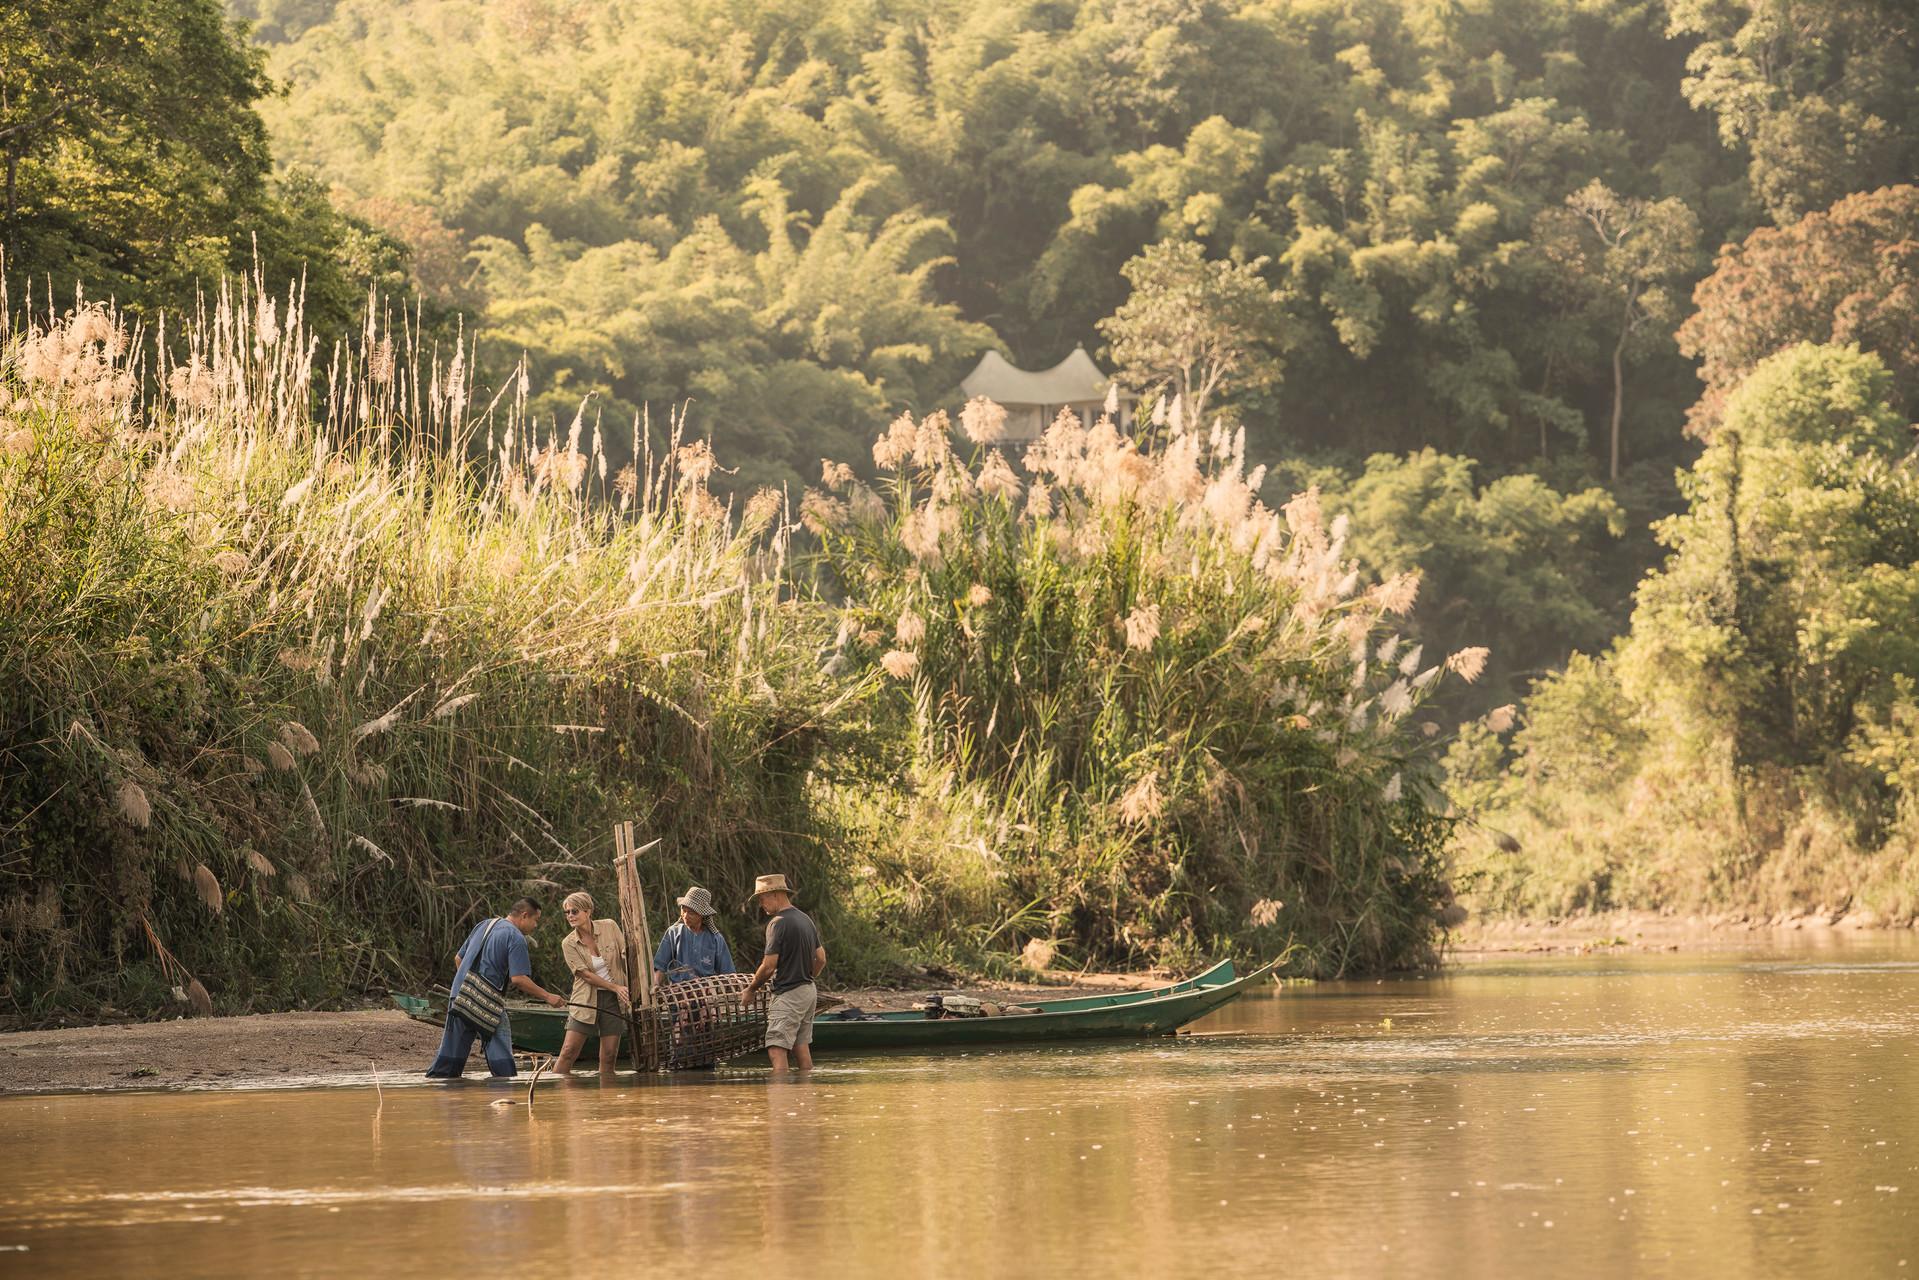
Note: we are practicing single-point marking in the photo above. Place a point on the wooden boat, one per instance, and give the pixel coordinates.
(1159, 1011)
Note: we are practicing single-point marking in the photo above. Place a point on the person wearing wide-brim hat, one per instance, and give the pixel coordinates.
(692, 948)
(793, 957)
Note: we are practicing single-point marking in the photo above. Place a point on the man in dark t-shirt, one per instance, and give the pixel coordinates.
(793, 957)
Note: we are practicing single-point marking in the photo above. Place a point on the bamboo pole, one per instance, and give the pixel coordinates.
(639, 946)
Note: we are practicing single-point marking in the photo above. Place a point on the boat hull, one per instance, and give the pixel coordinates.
(1119, 1015)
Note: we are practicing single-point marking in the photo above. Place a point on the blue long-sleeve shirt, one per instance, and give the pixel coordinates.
(684, 954)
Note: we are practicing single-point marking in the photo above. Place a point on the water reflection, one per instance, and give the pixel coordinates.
(1599, 1116)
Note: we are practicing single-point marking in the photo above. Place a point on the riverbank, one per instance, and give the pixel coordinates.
(273, 1050)
(1652, 931)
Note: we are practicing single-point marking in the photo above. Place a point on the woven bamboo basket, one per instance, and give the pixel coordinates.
(700, 1021)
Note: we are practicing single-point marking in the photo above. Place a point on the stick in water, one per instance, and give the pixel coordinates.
(538, 1067)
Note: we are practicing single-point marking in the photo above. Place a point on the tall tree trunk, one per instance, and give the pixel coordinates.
(1618, 393)
(1545, 389)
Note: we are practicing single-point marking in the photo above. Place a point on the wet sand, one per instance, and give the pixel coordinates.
(268, 1048)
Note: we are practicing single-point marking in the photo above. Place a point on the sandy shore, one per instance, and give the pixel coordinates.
(262, 1049)
(282, 1049)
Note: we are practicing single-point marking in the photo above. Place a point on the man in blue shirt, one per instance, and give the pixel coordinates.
(494, 953)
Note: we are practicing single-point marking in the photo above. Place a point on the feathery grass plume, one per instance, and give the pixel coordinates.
(1142, 801)
(369, 775)
(920, 534)
(381, 723)
(837, 477)
(895, 446)
(1468, 664)
(910, 629)
(1397, 593)
(231, 563)
(899, 664)
(261, 863)
(760, 510)
(932, 447)
(978, 596)
(279, 756)
(208, 887)
(131, 800)
(1265, 912)
(1039, 501)
(18, 442)
(982, 421)
(996, 477)
(1500, 719)
(822, 513)
(1396, 699)
(453, 704)
(298, 739)
(1142, 627)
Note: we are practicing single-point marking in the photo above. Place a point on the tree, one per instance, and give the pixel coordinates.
(1204, 327)
(1821, 93)
(1620, 257)
(1849, 274)
(787, 354)
(136, 166)
(1511, 562)
(1787, 602)
(129, 138)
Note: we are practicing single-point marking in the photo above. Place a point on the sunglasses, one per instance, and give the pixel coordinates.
(573, 911)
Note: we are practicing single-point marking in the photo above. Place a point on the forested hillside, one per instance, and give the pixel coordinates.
(793, 212)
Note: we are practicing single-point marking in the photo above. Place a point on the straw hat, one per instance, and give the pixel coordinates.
(771, 884)
(698, 900)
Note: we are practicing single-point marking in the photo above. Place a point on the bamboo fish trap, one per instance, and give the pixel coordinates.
(687, 1024)
(700, 1021)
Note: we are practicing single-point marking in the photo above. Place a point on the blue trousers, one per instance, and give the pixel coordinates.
(457, 1044)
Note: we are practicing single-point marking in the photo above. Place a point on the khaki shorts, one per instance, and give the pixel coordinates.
(789, 1017)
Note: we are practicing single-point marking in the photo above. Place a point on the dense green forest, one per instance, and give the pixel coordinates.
(1599, 317)
(1478, 226)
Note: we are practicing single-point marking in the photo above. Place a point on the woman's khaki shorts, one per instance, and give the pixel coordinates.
(789, 1017)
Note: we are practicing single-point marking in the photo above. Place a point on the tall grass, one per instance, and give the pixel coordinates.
(307, 660)
(1139, 714)
(304, 691)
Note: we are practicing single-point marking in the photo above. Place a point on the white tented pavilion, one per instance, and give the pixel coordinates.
(1032, 399)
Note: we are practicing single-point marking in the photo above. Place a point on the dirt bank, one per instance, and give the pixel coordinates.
(279, 1049)
(1650, 931)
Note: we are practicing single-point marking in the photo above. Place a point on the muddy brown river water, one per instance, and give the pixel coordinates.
(1700, 1114)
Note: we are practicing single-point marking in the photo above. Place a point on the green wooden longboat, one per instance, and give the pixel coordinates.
(1122, 1014)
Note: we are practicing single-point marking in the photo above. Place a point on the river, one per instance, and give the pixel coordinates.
(1702, 1113)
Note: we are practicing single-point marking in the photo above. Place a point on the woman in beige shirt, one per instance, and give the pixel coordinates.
(595, 952)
